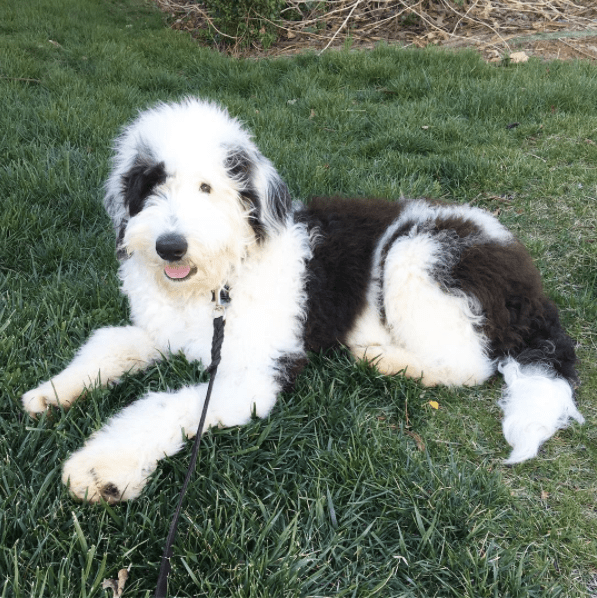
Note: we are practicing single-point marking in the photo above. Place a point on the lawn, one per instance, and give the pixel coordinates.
(355, 485)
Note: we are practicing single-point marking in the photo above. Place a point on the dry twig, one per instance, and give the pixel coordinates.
(485, 22)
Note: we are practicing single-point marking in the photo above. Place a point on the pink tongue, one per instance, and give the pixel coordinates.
(177, 271)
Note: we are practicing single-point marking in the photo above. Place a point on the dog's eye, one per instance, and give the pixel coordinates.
(205, 188)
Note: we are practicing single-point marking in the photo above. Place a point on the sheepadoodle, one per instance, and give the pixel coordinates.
(440, 293)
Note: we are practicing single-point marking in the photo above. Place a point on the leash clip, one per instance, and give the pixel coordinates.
(222, 299)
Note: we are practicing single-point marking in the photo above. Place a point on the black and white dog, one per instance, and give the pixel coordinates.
(442, 293)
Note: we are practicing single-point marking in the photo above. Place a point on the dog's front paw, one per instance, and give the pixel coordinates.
(59, 391)
(95, 473)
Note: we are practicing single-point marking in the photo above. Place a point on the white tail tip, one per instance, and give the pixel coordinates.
(536, 404)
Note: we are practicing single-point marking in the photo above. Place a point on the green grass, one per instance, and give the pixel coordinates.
(354, 486)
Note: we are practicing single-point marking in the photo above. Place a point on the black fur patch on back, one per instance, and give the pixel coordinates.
(346, 233)
(454, 234)
(520, 320)
(139, 182)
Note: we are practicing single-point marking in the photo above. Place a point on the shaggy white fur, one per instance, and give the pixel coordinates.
(169, 315)
(435, 335)
(196, 208)
(536, 404)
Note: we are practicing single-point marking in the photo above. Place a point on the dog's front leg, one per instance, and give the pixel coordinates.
(116, 461)
(107, 355)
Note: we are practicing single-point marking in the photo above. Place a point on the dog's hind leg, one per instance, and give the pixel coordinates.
(107, 355)
(428, 332)
(391, 360)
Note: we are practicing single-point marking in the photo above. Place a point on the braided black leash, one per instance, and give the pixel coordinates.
(216, 347)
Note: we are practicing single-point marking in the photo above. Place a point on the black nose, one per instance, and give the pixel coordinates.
(171, 247)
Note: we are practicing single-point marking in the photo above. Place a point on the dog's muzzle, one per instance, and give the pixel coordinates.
(172, 248)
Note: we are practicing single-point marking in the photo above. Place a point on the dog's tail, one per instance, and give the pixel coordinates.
(540, 377)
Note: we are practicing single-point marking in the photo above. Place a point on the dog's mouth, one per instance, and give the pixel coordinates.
(179, 273)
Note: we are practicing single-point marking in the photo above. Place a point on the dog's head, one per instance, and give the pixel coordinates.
(189, 194)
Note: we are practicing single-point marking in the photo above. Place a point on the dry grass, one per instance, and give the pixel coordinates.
(488, 25)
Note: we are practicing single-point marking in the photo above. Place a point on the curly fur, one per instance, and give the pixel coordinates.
(441, 293)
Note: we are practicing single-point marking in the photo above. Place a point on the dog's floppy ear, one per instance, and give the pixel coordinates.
(261, 188)
(139, 181)
(127, 189)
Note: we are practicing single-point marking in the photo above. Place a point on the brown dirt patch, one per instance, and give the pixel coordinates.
(550, 29)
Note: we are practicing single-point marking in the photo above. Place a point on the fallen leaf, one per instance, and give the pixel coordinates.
(517, 57)
(434, 404)
(417, 439)
(110, 584)
(117, 586)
